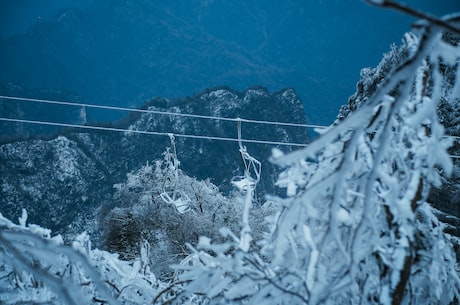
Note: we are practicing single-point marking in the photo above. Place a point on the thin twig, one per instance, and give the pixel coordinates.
(415, 13)
(168, 289)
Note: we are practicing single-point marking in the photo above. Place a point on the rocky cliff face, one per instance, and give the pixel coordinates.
(68, 175)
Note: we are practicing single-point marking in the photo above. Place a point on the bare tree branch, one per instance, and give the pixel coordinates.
(415, 13)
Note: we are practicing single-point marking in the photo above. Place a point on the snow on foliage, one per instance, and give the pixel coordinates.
(161, 205)
(37, 268)
(356, 227)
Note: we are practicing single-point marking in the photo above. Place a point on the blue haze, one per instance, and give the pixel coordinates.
(178, 48)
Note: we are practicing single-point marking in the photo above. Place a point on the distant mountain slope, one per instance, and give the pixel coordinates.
(28, 110)
(59, 179)
(122, 52)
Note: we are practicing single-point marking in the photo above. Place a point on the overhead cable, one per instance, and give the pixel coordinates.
(196, 116)
(157, 133)
(146, 132)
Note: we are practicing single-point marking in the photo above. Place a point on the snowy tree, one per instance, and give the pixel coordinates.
(148, 234)
(161, 205)
(38, 268)
(356, 227)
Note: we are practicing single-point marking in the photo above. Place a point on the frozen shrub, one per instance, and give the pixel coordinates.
(168, 209)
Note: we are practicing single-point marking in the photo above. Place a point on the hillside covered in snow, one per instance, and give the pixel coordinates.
(222, 198)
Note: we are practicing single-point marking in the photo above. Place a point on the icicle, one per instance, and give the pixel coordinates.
(23, 218)
(178, 199)
(247, 184)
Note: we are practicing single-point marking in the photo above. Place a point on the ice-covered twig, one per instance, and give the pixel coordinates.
(40, 249)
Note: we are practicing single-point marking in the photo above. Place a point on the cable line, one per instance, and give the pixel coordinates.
(156, 133)
(196, 116)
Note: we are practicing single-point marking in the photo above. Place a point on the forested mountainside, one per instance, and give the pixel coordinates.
(122, 52)
(35, 111)
(356, 225)
(357, 222)
(70, 173)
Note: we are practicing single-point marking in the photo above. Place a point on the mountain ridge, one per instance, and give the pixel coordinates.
(76, 169)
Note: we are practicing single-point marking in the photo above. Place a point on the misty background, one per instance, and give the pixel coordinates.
(119, 52)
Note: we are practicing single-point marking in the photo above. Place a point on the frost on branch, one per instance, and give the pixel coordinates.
(356, 227)
(36, 268)
(364, 210)
(141, 214)
(146, 210)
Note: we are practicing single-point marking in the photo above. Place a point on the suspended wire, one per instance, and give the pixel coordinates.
(196, 116)
(156, 133)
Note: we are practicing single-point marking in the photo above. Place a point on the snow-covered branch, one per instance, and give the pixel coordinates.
(37, 268)
(356, 226)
